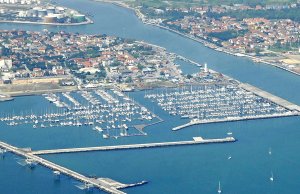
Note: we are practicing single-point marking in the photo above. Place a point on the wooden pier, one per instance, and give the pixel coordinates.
(195, 141)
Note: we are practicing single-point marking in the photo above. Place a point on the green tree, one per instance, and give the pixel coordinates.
(128, 79)
(140, 66)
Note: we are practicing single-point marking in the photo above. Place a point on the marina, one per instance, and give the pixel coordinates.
(282, 133)
(110, 112)
(211, 103)
(292, 109)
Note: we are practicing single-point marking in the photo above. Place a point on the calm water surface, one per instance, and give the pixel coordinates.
(188, 169)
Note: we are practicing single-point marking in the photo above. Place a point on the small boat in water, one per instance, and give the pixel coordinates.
(105, 136)
(229, 133)
(2, 151)
(219, 189)
(56, 173)
(86, 186)
(31, 163)
(97, 128)
(272, 177)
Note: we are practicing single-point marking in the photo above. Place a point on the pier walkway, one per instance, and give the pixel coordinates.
(195, 141)
(231, 119)
(110, 186)
(275, 99)
(105, 184)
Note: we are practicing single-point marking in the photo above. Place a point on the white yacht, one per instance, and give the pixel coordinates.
(219, 189)
(272, 177)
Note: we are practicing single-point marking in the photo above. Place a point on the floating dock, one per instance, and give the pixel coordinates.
(105, 184)
(195, 141)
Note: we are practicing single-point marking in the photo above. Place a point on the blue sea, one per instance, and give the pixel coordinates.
(170, 170)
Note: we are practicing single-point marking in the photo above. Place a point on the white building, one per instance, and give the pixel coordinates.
(5, 64)
(206, 68)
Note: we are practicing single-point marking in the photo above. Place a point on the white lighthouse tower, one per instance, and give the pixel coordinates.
(205, 68)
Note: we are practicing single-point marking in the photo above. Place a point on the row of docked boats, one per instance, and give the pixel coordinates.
(213, 102)
(109, 112)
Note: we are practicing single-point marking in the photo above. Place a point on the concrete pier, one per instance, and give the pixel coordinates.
(275, 99)
(195, 141)
(104, 184)
(231, 119)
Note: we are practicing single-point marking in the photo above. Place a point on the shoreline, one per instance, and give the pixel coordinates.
(203, 42)
(221, 49)
(89, 21)
(37, 93)
(117, 3)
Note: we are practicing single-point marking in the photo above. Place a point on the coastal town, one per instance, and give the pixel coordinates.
(252, 31)
(53, 62)
(78, 105)
(47, 58)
